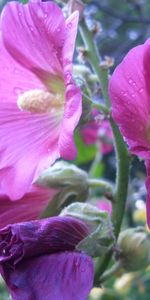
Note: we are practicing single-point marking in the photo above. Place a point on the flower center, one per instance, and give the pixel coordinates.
(39, 101)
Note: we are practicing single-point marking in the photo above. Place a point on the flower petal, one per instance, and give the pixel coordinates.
(129, 92)
(72, 113)
(20, 79)
(68, 48)
(59, 276)
(29, 239)
(39, 28)
(27, 208)
(28, 145)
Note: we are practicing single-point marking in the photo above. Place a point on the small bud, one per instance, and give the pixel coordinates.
(134, 244)
(68, 179)
(82, 54)
(101, 238)
(96, 28)
(76, 5)
(107, 63)
(103, 294)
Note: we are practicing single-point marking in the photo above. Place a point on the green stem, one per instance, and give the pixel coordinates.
(112, 271)
(122, 159)
(102, 184)
(93, 56)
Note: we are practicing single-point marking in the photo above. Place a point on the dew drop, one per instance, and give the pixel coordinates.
(141, 90)
(17, 90)
(31, 27)
(16, 71)
(45, 15)
(19, 14)
(68, 77)
(69, 25)
(133, 95)
(130, 81)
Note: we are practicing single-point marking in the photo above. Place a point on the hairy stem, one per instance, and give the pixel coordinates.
(122, 159)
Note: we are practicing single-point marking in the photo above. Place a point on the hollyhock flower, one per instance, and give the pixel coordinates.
(129, 90)
(38, 260)
(98, 130)
(29, 207)
(40, 105)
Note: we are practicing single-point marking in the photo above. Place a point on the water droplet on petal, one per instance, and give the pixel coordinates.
(68, 77)
(69, 25)
(141, 90)
(19, 13)
(130, 81)
(17, 90)
(31, 27)
(58, 29)
(133, 95)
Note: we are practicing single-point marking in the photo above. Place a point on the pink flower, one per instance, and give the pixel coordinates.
(28, 208)
(129, 90)
(98, 130)
(40, 105)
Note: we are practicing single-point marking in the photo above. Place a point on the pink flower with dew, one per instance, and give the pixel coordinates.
(28, 208)
(129, 91)
(98, 130)
(105, 205)
(40, 105)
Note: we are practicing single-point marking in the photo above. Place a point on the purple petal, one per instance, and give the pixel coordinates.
(45, 236)
(61, 276)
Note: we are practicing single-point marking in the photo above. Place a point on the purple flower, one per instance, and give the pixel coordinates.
(39, 261)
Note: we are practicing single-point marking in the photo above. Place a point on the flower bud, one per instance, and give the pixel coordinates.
(69, 179)
(103, 294)
(134, 244)
(101, 238)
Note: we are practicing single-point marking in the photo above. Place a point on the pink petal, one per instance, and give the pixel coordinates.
(27, 208)
(19, 78)
(61, 276)
(28, 145)
(39, 29)
(68, 49)
(130, 93)
(73, 110)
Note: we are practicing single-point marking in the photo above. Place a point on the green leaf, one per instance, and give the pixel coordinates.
(86, 153)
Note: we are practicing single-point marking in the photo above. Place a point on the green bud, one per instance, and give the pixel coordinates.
(68, 179)
(101, 238)
(103, 294)
(134, 244)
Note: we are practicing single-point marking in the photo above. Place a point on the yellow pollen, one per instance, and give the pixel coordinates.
(39, 101)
